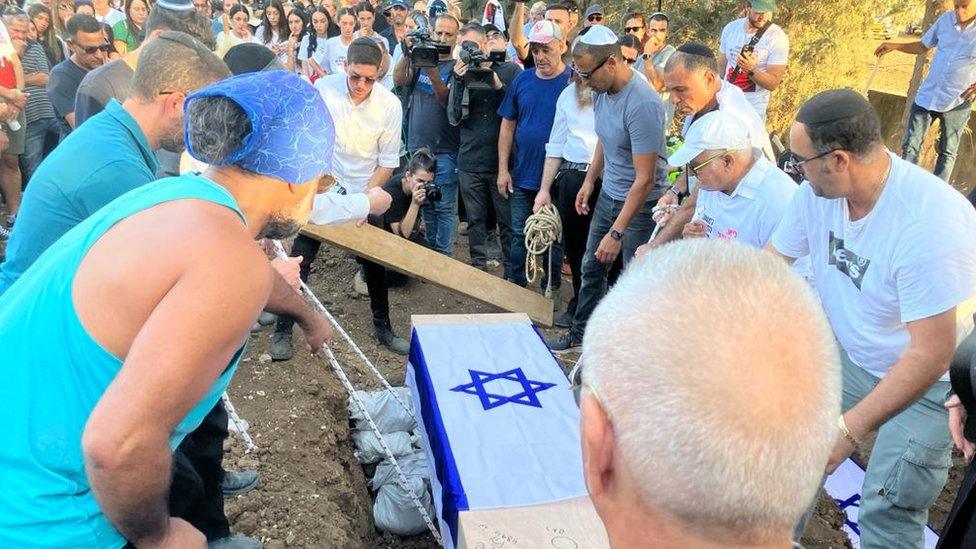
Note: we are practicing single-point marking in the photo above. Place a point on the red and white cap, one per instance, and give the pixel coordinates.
(543, 32)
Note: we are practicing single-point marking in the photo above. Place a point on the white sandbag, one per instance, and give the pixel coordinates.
(412, 465)
(388, 414)
(394, 510)
(369, 450)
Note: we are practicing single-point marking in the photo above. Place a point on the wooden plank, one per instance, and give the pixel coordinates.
(417, 261)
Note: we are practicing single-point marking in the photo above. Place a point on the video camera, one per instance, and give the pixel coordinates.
(433, 192)
(424, 51)
(477, 77)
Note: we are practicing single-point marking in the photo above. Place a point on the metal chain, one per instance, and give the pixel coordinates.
(280, 252)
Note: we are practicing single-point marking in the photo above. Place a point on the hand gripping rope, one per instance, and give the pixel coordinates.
(542, 230)
(334, 363)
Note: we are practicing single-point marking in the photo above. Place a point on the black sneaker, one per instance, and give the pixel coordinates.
(563, 343)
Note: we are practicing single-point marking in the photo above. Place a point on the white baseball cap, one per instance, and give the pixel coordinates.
(599, 35)
(717, 130)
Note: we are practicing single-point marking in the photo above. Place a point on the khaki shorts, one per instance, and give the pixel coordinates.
(16, 145)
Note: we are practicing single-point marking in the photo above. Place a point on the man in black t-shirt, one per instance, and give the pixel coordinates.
(475, 112)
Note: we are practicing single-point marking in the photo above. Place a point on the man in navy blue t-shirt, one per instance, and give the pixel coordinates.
(527, 113)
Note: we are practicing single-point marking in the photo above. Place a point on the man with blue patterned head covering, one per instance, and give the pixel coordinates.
(144, 309)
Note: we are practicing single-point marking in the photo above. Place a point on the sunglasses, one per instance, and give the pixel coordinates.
(629, 61)
(587, 75)
(92, 49)
(360, 78)
(594, 18)
(633, 29)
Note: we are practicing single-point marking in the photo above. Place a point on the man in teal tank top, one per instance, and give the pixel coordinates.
(124, 334)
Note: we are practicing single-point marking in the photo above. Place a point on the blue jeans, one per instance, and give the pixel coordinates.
(594, 275)
(952, 123)
(37, 132)
(440, 218)
(520, 202)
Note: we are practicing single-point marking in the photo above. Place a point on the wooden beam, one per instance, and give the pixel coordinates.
(417, 261)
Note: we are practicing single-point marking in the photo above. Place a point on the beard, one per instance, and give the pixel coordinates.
(584, 95)
(279, 227)
(174, 142)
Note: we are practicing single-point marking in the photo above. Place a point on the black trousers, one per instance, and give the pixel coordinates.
(479, 194)
(576, 227)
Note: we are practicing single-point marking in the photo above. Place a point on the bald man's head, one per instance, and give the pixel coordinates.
(718, 372)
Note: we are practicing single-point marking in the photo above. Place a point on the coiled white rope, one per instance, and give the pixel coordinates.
(542, 230)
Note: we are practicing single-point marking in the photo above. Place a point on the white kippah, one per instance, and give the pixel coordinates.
(598, 35)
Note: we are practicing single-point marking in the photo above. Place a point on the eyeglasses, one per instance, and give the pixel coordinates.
(629, 61)
(595, 18)
(694, 169)
(795, 164)
(106, 47)
(633, 29)
(493, 35)
(360, 78)
(589, 74)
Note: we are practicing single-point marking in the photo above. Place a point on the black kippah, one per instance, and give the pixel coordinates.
(831, 106)
(694, 48)
(248, 57)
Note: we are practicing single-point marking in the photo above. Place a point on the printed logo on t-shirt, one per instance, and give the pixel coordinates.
(847, 261)
(742, 80)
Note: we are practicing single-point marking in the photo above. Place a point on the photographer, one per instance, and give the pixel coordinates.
(476, 92)
(427, 123)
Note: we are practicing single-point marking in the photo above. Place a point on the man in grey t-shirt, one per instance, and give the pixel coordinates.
(630, 128)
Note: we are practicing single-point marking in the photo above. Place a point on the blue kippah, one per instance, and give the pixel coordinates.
(176, 5)
(292, 133)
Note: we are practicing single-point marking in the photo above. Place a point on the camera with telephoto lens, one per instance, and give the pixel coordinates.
(433, 192)
(424, 51)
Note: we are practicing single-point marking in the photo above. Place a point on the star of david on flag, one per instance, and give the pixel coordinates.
(528, 396)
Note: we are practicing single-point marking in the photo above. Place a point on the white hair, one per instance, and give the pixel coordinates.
(720, 375)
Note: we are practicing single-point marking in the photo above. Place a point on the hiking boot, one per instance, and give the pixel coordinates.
(238, 484)
(235, 541)
(359, 284)
(280, 348)
(564, 320)
(386, 337)
(563, 343)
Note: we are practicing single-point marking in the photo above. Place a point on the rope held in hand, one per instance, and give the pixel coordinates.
(542, 230)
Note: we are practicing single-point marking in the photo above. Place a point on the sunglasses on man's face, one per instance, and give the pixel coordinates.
(595, 18)
(360, 78)
(92, 49)
(633, 29)
(628, 60)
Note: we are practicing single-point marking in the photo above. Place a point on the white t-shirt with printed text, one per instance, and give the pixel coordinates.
(773, 49)
(912, 257)
(333, 55)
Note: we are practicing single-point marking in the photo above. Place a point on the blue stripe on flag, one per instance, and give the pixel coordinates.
(453, 498)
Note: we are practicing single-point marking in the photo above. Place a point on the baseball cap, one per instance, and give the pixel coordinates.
(717, 130)
(543, 32)
(599, 35)
(396, 4)
(763, 6)
(593, 10)
(292, 134)
(436, 8)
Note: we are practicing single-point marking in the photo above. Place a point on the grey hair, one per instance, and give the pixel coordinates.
(726, 422)
(691, 63)
(216, 127)
(175, 61)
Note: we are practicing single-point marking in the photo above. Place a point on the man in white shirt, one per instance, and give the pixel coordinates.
(741, 194)
(367, 119)
(569, 153)
(755, 66)
(696, 89)
(894, 262)
(948, 91)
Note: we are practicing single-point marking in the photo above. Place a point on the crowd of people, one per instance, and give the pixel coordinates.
(834, 316)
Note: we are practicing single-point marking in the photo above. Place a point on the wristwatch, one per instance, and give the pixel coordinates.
(615, 234)
(645, 56)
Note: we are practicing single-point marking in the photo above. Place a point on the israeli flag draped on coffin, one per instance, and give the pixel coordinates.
(500, 425)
